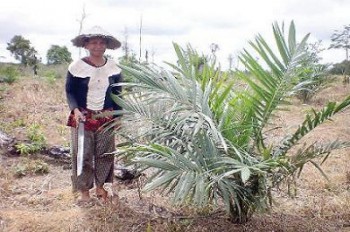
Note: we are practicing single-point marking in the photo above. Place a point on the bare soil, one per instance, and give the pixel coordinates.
(46, 203)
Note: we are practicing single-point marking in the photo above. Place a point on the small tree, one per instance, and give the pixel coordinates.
(342, 68)
(22, 50)
(312, 73)
(209, 137)
(129, 59)
(341, 39)
(58, 55)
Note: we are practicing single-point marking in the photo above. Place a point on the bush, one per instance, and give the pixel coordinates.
(8, 74)
(316, 79)
(342, 68)
(52, 74)
(36, 144)
(31, 167)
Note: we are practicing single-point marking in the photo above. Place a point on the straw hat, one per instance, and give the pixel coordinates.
(96, 31)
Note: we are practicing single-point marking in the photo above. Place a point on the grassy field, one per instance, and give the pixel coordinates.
(45, 202)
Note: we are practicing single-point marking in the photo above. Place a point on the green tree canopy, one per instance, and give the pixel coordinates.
(22, 50)
(342, 68)
(341, 39)
(58, 55)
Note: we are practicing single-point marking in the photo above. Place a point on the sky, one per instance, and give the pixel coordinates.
(230, 24)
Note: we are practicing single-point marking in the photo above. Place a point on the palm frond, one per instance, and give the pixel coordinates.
(317, 150)
(310, 123)
(270, 88)
(304, 155)
(185, 174)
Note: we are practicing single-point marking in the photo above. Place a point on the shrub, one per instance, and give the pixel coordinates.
(209, 141)
(8, 74)
(36, 138)
(342, 68)
(30, 167)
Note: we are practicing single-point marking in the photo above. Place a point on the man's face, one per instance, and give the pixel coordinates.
(96, 46)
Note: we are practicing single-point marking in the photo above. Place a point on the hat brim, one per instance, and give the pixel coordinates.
(112, 43)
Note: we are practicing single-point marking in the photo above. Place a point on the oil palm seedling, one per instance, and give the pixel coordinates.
(208, 137)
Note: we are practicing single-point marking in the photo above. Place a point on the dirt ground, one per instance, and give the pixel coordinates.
(46, 203)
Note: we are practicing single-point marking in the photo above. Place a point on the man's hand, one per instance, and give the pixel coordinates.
(78, 116)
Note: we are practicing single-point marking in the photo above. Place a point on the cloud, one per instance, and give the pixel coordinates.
(8, 30)
(225, 22)
(138, 4)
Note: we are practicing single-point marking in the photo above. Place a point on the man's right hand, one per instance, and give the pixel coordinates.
(78, 115)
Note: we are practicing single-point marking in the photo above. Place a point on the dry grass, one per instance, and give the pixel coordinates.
(45, 202)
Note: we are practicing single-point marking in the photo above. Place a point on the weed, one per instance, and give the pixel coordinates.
(30, 167)
(18, 123)
(28, 148)
(8, 74)
(35, 134)
(20, 170)
(37, 141)
(51, 76)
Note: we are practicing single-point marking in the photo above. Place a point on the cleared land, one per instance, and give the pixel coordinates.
(45, 202)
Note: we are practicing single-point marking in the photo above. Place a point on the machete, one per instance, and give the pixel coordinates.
(80, 154)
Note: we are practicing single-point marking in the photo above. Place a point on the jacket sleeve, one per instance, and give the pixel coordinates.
(70, 92)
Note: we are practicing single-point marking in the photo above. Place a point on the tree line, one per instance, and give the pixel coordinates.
(26, 54)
